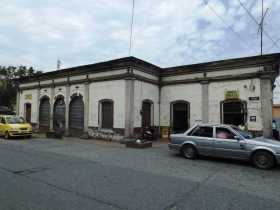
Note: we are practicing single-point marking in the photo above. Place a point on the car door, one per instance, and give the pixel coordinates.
(202, 136)
(226, 144)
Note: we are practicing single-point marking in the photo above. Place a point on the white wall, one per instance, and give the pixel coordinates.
(219, 73)
(33, 101)
(182, 77)
(188, 92)
(245, 87)
(60, 90)
(146, 75)
(45, 92)
(78, 89)
(114, 90)
(142, 91)
(276, 91)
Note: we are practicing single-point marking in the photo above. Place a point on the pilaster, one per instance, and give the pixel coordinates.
(18, 102)
(266, 105)
(205, 101)
(129, 107)
(86, 107)
(51, 107)
(38, 109)
(67, 101)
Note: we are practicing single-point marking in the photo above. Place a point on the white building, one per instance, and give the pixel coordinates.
(115, 99)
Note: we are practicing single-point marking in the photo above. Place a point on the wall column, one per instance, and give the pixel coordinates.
(38, 109)
(266, 105)
(86, 107)
(18, 102)
(129, 107)
(67, 101)
(205, 101)
(51, 107)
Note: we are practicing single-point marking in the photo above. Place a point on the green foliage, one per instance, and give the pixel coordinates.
(7, 87)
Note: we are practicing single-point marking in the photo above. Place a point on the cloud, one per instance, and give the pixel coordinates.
(166, 32)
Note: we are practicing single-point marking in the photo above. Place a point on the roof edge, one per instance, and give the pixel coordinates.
(257, 59)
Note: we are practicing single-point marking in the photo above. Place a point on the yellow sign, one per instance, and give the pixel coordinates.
(232, 94)
(165, 132)
(28, 96)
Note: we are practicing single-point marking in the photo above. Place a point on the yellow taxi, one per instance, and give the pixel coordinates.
(12, 126)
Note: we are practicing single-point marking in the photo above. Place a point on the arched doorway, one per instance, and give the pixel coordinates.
(27, 112)
(147, 114)
(234, 112)
(180, 116)
(59, 114)
(44, 113)
(76, 113)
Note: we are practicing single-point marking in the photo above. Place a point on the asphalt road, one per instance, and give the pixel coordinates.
(78, 174)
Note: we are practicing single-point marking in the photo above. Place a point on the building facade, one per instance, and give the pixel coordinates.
(118, 98)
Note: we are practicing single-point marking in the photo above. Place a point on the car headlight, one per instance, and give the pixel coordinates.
(13, 129)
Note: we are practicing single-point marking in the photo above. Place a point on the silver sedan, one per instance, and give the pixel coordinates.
(228, 142)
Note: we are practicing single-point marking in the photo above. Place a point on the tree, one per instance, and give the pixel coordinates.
(8, 89)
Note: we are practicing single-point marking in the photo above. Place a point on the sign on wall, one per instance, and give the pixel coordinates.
(232, 94)
(256, 98)
(28, 96)
(253, 118)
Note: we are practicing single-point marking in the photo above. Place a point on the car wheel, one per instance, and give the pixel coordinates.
(189, 152)
(7, 135)
(263, 160)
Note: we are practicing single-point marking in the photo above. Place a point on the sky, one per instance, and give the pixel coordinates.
(166, 32)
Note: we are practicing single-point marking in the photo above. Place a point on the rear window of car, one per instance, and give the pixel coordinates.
(202, 131)
(14, 120)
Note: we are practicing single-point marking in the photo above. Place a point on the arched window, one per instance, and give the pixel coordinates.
(147, 113)
(106, 113)
(76, 113)
(44, 113)
(180, 116)
(59, 113)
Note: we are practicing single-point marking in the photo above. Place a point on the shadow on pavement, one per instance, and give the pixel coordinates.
(225, 161)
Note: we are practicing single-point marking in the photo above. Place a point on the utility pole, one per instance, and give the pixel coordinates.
(131, 28)
(262, 31)
(58, 64)
(261, 26)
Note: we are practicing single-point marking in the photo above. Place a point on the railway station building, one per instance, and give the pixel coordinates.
(116, 99)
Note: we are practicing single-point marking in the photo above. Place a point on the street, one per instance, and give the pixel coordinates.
(42, 174)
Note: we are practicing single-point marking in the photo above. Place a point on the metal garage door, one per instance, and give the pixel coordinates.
(44, 113)
(76, 113)
(59, 115)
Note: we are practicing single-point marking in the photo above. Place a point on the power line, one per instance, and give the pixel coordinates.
(131, 27)
(229, 27)
(273, 45)
(256, 21)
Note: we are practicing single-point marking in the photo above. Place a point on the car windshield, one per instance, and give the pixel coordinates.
(15, 120)
(245, 134)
